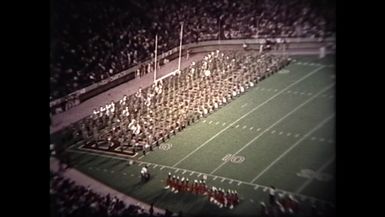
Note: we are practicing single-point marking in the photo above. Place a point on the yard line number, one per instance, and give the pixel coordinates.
(165, 146)
(233, 158)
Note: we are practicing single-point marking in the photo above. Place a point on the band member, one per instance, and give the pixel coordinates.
(272, 195)
(145, 175)
(168, 181)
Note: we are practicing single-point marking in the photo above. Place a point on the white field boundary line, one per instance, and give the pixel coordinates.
(100, 151)
(243, 116)
(274, 124)
(293, 146)
(213, 176)
(314, 64)
(312, 178)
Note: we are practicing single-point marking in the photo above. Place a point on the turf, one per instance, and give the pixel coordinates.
(270, 135)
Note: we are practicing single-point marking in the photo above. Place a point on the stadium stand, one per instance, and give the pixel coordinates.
(99, 39)
(70, 199)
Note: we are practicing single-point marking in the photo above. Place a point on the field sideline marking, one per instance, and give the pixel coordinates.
(249, 112)
(312, 178)
(293, 146)
(275, 123)
(314, 64)
(192, 171)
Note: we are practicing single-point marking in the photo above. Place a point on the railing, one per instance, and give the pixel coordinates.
(83, 94)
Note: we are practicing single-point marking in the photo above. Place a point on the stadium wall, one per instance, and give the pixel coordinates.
(305, 45)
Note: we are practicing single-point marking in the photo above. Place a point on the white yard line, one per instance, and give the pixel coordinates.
(192, 172)
(318, 171)
(274, 124)
(291, 147)
(243, 116)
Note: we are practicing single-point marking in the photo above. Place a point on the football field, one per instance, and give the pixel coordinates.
(281, 132)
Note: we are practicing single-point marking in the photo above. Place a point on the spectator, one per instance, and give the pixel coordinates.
(99, 39)
(69, 199)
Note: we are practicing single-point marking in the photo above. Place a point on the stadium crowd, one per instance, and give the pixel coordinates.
(67, 199)
(148, 117)
(93, 40)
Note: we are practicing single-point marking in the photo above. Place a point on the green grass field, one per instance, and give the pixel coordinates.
(281, 133)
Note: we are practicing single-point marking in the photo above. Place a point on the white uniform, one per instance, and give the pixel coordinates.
(144, 171)
(242, 89)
